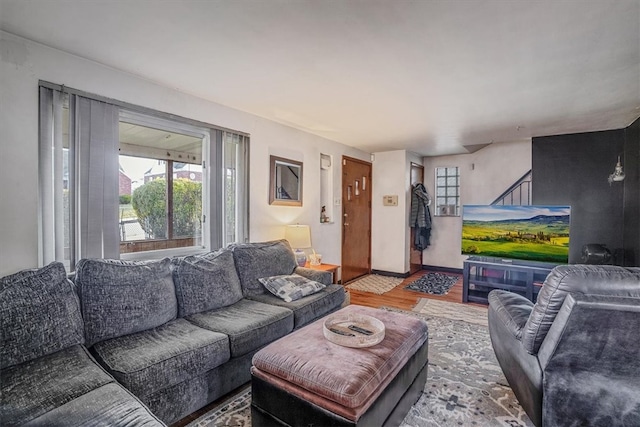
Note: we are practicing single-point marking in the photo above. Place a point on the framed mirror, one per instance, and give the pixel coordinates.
(285, 183)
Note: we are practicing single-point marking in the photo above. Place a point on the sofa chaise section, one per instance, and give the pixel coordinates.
(47, 376)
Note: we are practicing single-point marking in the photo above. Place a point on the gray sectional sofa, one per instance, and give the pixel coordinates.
(143, 343)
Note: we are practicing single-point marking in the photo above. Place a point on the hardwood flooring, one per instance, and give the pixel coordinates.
(404, 299)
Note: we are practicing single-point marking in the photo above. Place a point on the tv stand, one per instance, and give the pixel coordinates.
(481, 275)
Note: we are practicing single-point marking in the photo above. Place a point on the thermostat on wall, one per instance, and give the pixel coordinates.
(390, 200)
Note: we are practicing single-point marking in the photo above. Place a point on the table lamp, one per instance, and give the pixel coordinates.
(299, 237)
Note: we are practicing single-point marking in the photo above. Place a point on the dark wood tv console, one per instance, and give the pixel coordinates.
(481, 275)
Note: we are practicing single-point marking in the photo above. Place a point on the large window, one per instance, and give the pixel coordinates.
(117, 181)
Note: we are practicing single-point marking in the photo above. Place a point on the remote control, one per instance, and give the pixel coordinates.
(339, 332)
(360, 330)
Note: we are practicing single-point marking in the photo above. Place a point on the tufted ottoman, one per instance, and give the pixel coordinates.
(303, 379)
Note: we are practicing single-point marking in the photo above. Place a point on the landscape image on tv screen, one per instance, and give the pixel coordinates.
(534, 233)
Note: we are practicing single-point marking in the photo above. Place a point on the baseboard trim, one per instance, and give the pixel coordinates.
(442, 269)
(391, 273)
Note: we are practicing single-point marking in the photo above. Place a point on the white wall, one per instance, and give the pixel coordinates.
(484, 175)
(23, 63)
(390, 224)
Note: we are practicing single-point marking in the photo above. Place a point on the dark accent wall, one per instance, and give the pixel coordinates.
(573, 170)
(631, 166)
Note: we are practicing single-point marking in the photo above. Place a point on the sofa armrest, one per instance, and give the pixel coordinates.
(323, 277)
(591, 362)
(511, 309)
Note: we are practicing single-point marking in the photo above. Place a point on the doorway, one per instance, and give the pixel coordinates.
(415, 255)
(356, 218)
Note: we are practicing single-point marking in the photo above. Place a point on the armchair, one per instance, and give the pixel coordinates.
(573, 357)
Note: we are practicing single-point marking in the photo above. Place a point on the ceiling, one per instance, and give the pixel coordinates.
(432, 77)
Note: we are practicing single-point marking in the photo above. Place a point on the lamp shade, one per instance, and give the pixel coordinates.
(299, 236)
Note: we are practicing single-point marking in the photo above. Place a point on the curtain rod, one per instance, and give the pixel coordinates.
(136, 108)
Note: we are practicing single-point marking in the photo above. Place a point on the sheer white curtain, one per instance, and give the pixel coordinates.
(78, 203)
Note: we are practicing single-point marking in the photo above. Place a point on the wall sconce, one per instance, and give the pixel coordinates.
(299, 237)
(618, 173)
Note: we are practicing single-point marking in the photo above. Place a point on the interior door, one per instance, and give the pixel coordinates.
(415, 256)
(356, 218)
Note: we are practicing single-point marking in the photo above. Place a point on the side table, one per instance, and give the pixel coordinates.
(331, 268)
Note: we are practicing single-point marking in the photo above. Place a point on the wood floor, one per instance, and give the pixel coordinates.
(398, 297)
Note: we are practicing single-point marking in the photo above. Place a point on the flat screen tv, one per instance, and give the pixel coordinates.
(533, 233)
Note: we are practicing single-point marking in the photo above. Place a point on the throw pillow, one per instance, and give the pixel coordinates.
(291, 287)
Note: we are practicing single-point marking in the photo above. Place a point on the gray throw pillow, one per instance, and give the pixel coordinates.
(123, 297)
(206, 282)
(39, 314)
(291, 287)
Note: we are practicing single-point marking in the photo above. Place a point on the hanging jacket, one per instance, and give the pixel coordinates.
(420, 218)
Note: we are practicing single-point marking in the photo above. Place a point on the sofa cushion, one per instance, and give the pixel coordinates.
(206, 282)
(39, 314)
(109, 405)
(310, 307)
(256, 260)
(161, 357)
(291, 287)
(38, 386)
(579, 279)
(312, 274)
(249, 324)
(123, 297)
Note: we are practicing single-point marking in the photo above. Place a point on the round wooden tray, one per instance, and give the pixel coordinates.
(345, 330)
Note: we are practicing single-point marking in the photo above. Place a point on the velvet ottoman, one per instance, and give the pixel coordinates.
(304, 379)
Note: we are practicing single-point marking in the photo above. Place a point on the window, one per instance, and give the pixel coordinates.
(118, 180)
(447, 191)
(160, 186)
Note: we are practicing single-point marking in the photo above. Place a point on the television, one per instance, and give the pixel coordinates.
(532, 233)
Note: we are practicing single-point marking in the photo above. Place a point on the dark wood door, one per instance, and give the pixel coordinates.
(415, 256)
(356, 218)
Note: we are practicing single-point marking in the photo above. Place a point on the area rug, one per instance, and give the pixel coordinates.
(453, 311)
(375, 284)
(433, 283)
(465, 385)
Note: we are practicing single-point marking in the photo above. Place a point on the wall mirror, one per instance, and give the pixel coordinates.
(285, 184)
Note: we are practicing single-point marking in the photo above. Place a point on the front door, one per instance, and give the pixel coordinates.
(415, 255)
(356, 218)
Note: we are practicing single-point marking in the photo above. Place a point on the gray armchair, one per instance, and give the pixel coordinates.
(573, 358)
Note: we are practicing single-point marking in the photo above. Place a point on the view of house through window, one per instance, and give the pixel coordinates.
(160, 189)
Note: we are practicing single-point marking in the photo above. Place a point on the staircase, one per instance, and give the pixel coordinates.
(518, 194)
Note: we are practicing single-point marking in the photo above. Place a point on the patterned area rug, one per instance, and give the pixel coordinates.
(465, 385)
(375, 283)
(449, 310)
(433, 283)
